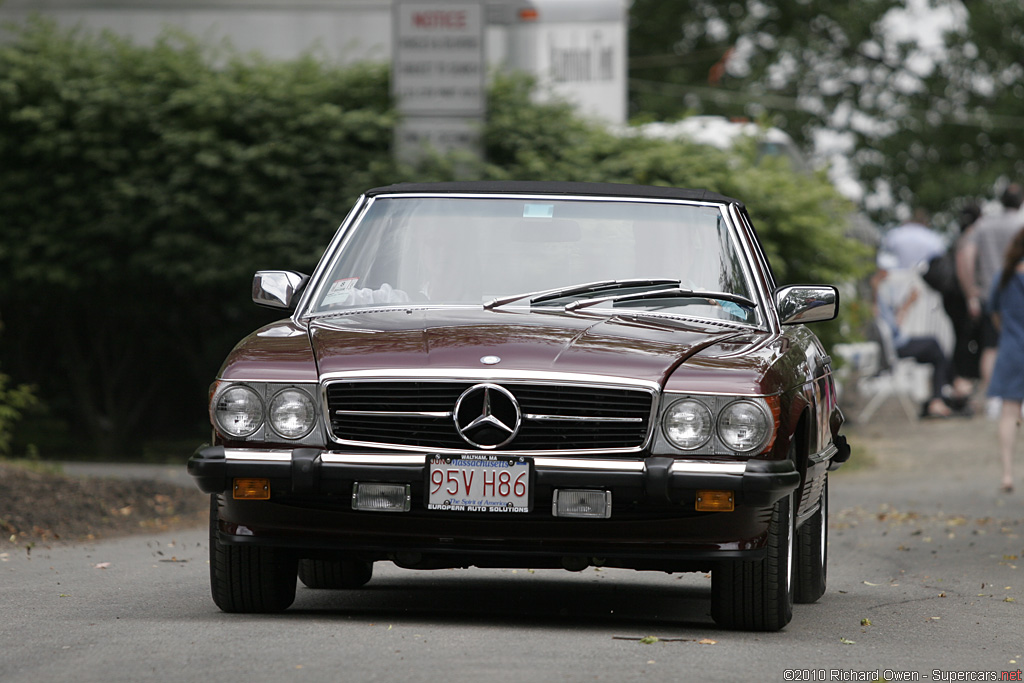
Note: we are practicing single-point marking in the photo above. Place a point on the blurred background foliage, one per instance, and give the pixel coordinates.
(923, 100)
(141, 187)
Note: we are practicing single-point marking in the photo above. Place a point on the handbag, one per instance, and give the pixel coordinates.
(941, 273)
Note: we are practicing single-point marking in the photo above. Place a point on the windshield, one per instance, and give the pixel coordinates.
(470, 251)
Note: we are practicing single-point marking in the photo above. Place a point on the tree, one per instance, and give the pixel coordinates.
(744, 57)
(926, 126)
(955, 136)
(140, 188)
(15, 400)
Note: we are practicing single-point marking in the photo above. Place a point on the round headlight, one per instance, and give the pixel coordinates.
(292, 413)
(239, 411)
(745, 426)
(687, 424)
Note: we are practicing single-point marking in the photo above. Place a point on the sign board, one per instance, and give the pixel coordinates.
(438, 57)
(442, 134)
(585, 63)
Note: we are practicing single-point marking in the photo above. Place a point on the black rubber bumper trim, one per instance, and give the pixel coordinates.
(762, 482)
(306, 465)
(208, 467)
(843, 451)
(507, 548)
(766, 481)
(213, 473)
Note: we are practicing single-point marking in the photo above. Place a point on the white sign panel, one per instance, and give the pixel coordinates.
(416, 135)
(585, 64)
(439, 58)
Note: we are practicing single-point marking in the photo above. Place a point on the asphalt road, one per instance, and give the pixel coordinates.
(923, 582)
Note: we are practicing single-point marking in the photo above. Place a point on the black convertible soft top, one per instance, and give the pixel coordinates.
(553, 187)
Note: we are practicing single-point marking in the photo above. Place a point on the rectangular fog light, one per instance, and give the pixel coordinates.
(251, 489)
(381, 497)
(581, 503)
(715, 501)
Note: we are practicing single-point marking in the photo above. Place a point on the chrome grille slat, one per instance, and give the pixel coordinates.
(418, 414)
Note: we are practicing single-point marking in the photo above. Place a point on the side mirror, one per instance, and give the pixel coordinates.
(798, 304)
(278, 288)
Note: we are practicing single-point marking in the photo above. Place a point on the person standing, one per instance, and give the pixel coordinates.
(913, 243)
(979, 260)
(967, 347)
(1007, 305)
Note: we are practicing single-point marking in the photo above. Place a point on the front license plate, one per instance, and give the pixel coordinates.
(478, 483)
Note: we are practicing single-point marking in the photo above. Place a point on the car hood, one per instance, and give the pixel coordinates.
(456, 340)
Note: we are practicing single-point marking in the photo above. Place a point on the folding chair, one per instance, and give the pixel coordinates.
(904, 378)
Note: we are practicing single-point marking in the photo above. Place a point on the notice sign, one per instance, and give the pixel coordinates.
(438, 58)
(442, 134)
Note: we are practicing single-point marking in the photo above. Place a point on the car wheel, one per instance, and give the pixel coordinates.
(812, 553)
(758, 595)
(249, 578)
(334, 574)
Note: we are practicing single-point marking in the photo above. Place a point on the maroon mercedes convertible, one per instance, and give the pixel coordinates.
(529, 374)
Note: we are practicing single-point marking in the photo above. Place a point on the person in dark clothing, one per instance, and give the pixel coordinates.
(966, 328)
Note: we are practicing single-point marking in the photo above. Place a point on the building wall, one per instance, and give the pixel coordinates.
(575, 48)
(342, 31)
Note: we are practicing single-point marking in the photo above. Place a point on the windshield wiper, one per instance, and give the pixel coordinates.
(674, 293)
(576, 290)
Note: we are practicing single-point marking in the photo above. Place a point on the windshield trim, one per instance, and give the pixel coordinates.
(338, 240)
(352, 221)
(754, 250)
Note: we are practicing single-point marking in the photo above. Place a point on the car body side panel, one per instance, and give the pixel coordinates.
(766, 365)
(276, 352)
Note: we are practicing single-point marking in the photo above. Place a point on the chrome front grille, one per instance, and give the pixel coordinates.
(554, 417)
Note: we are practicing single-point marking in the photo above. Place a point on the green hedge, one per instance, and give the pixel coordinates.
(140, 188)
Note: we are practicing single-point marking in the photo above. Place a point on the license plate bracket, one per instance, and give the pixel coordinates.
(477, 482)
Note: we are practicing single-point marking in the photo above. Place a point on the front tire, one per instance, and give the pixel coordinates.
(812, 554)
(758, 595)
(335, 574)
(249, 579)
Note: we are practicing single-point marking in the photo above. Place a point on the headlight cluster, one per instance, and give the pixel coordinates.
(744, 426)
(239, 412)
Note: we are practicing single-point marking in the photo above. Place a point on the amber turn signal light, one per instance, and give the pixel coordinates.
(715, 501)
(251, 489)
